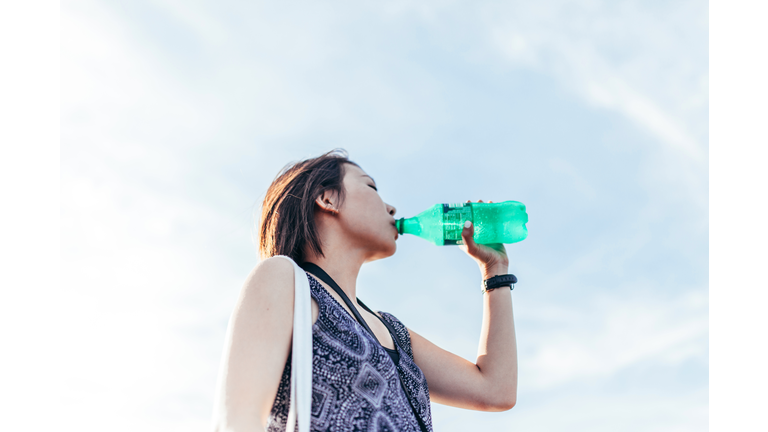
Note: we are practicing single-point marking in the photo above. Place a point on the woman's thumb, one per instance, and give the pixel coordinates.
(467, 234)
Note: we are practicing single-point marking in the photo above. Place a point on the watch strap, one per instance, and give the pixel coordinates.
(499, 281)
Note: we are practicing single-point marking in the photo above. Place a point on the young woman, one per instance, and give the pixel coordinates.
(370, 372)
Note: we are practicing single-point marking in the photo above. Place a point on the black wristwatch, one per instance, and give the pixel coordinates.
(499, 281)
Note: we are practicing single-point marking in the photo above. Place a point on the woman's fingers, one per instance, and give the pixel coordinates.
(485, 254)
(467, 236)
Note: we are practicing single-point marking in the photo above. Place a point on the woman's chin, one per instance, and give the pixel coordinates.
(393, 248)
(384, 252)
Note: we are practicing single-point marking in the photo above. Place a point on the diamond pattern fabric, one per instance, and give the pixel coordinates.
(355, 384)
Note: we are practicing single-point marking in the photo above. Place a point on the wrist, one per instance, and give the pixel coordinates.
(494, 270)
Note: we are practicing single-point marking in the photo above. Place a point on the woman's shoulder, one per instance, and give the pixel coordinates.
(271, 276)
(276, 263)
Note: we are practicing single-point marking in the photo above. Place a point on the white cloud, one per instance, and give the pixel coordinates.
(621, 57)
(138, 340)
(604, 335)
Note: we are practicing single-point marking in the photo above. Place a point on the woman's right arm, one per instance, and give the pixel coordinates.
(257, 346)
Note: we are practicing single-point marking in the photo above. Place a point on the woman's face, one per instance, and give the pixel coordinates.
(365, 216)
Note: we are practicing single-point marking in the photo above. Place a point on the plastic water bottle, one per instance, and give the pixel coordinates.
(442, 224)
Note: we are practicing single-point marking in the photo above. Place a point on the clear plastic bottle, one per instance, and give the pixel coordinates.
(442, 224)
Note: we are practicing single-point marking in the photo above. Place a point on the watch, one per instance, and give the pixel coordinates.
(499, 281)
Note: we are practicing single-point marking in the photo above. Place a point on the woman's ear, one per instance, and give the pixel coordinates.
(328, 201)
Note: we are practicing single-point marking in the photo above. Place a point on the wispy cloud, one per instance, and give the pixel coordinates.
(624, 57)
(599, 339)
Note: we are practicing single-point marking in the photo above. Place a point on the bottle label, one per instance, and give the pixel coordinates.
(454, 216)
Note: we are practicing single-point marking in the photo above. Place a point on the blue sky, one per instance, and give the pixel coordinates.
(176, 116)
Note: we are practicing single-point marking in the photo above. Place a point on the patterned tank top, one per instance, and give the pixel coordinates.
(356, 385)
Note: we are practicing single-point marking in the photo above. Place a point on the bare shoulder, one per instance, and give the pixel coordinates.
(274, 266)
(272, 277)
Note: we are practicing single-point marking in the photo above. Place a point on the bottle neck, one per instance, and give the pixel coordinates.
(408, 226)
(399, 225)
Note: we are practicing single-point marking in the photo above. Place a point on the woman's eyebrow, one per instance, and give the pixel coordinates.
(366, 175)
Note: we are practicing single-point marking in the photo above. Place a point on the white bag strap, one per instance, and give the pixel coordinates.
(301, 360)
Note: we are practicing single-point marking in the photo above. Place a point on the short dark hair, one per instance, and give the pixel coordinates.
(287, 222)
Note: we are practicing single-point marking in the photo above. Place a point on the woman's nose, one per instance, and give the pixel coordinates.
(391, 210)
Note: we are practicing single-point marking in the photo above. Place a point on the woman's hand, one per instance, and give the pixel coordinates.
(492, 258)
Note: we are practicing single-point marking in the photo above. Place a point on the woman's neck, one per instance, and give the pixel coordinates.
(342, 265)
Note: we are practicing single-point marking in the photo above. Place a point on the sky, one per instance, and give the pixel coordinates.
(176, 116)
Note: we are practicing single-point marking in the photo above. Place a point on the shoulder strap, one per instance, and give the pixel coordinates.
(386, 323)
(301, 353)
(315, 269)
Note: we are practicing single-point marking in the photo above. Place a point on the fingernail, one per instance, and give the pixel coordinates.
(467, 224)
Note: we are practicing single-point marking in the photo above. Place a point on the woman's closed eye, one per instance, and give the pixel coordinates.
(374, 187)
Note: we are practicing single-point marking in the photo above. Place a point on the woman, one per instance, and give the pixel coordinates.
(370, 372)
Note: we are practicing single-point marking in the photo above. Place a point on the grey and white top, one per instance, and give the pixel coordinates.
(356, 385)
